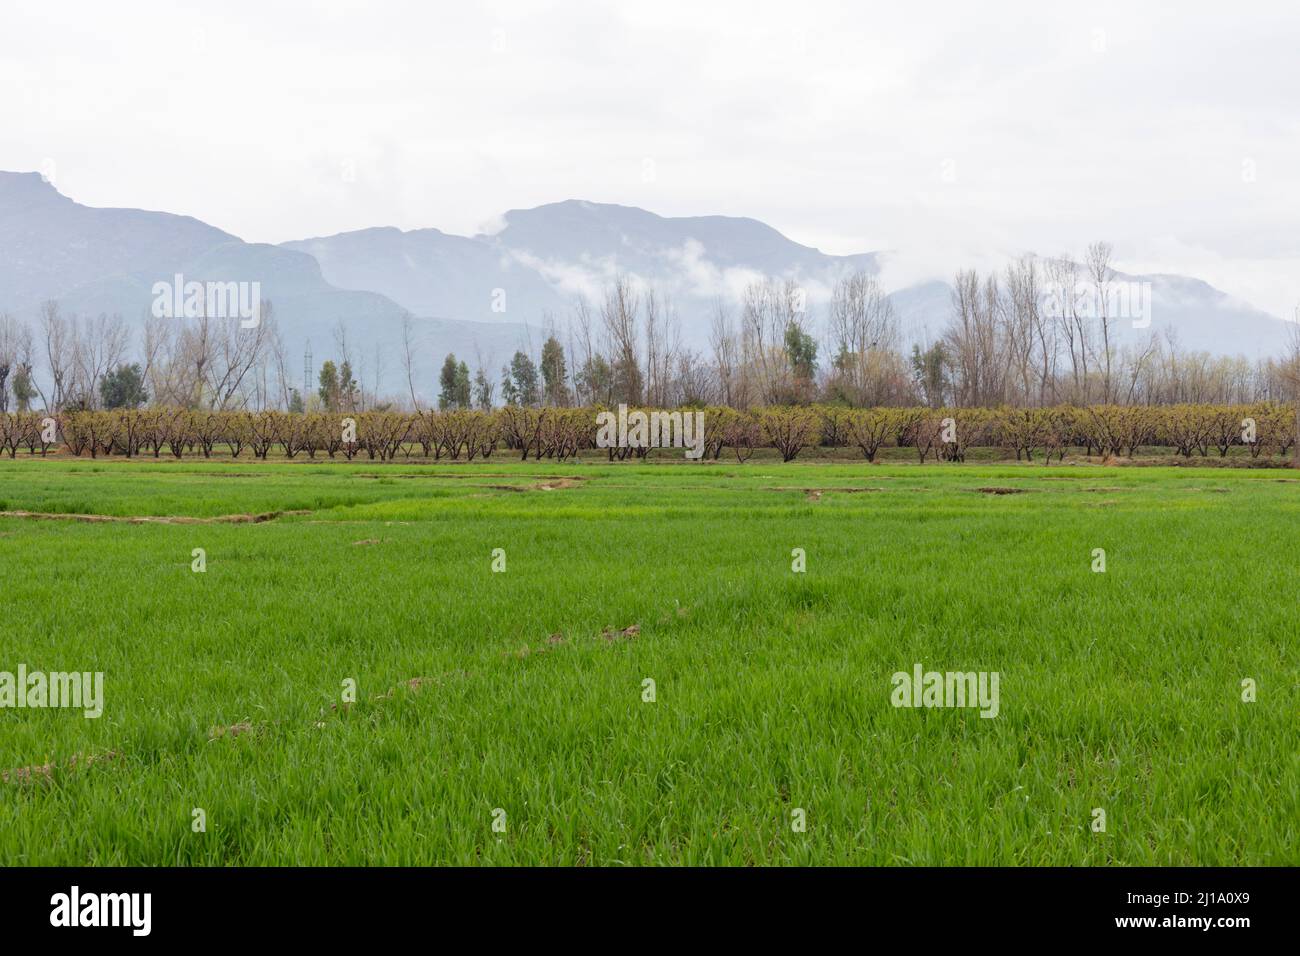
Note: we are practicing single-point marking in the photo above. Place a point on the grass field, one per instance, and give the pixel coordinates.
(1119, 690)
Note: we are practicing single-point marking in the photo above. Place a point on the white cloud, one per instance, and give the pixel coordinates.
(587, 279)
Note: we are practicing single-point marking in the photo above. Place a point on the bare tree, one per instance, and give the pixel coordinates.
(582, 352)
(157, 347)
(769, 309)
(1291, 373)
(98, 347)
(1074, 328)
(1023, 332)
(1098, 265)
(219, 356)
(976, 341)
(57, 335)
(10, 336)
(619, 316)
(722, 341)
(280, 362)
(864, 333)
(408, 355)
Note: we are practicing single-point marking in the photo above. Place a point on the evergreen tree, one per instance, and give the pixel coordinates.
(802, 349)
(123, 387)
(482, 391)
(329, 386)
(447, 383)
(554, 373)
(462, 386)
(626, 384)
(509, 391)
(928, 372)
(24, 388)
(348, 389)
(524, 374)
(596, 380)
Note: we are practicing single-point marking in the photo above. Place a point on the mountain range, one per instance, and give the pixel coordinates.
(484, 296)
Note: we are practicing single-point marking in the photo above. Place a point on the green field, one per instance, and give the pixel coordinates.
(1119, 690)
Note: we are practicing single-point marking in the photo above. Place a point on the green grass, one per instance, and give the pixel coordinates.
(1118, 690)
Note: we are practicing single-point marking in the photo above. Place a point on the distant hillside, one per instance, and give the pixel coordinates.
(96, 261)
(544, 258)
(493, 293)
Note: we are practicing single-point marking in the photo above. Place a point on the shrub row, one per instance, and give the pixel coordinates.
(559, 433)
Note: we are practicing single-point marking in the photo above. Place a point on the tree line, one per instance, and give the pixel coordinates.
(1038, 334)
(1002, 345)
(1264, 430)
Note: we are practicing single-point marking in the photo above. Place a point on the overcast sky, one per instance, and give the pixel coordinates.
(944, 131)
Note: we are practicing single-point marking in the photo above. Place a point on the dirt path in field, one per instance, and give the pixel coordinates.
(815, 494)
(430, 476)
(551, 484)
(149, 519)
(547, 482)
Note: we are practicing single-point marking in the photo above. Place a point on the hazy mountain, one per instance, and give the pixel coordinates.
(691, 251)
(544, 258)
(1205, 318)
(96, 261)
(434, 274)
(489, 294)
(52, 245)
